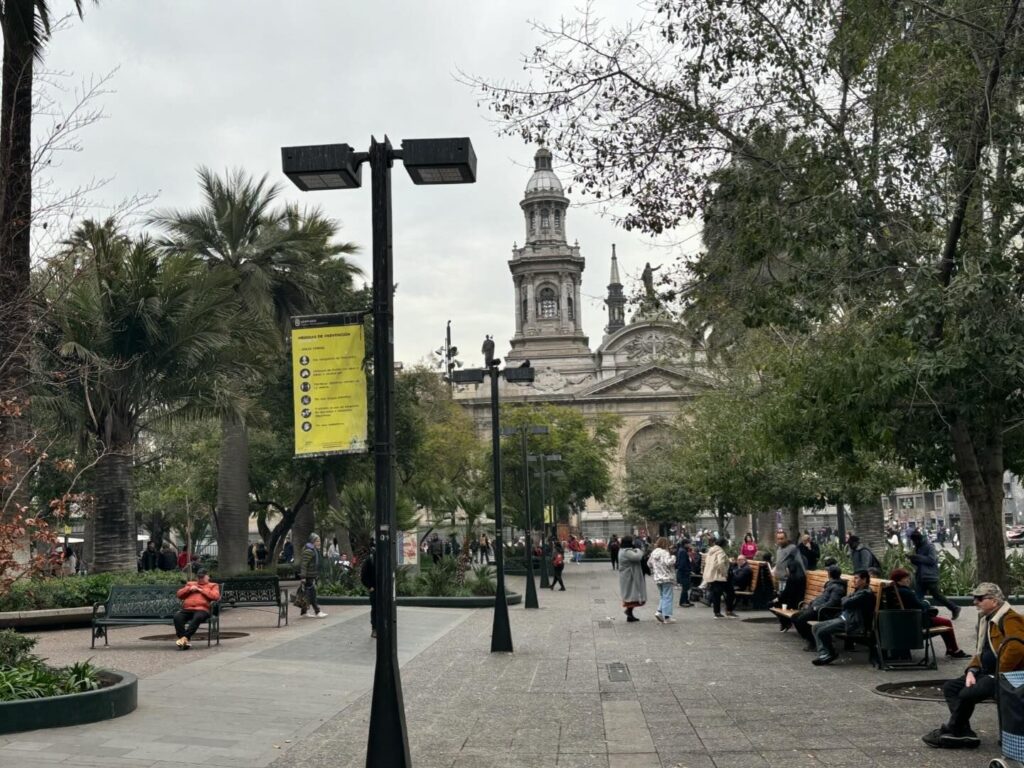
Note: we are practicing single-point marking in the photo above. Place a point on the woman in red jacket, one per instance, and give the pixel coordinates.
(195, 597)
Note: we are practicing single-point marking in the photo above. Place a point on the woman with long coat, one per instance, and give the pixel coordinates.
(632, 584)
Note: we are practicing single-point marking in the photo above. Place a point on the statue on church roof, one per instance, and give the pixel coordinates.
(650, 297)
(488, 350)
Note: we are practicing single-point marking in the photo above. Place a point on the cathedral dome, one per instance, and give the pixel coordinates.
(543, 178)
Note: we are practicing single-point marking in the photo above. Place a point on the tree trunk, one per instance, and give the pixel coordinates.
(232, 513)
(869, 526)
(979, 462)
(766, 531)
(792, 522)
(841, 522)
(334, 502)
(305, 521)
(966, 528)
(114, 521)
(15, 257)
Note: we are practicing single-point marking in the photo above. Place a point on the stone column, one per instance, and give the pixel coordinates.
(531, 310)
(576, 305)
(517, 287)
(563, 289)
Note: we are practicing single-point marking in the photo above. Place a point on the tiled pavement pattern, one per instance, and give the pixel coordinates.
(701, 693)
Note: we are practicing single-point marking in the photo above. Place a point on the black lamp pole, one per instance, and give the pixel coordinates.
(531, 586)
(501, 630)
(388, 743)
(336, 166)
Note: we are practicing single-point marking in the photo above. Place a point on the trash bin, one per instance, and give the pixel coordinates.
(1010, 703)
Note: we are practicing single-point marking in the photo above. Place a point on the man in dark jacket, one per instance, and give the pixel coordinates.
(857, 612)
(831, 597)
(684, 569)
(167, 560)
(926, 578)
(368, 578)
(863, 558)
(149, 557)
(309, 571)
(613, 552)
(741, 574)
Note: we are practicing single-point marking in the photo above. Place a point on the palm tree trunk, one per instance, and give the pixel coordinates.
(334, 502)
(114, 527)
(232, 513)
(302, 527)
(15, 223)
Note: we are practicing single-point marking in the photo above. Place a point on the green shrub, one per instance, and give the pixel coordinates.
(405, 581)
(595, 551)
(483, 581)
(14, 647)
(76, 591)
(957, 575)
(840, 554)
(895, 557)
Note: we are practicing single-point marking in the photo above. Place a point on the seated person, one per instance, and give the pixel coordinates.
(997, 623)
(195, 597)
(741, 574)
(901, 578)
(857, 611)
(831, 597)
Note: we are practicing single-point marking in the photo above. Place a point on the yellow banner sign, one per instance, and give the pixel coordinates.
(329, 385)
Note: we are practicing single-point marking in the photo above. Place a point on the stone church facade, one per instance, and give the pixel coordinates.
(642, 370)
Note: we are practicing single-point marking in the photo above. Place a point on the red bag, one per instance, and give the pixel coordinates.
(559, 561)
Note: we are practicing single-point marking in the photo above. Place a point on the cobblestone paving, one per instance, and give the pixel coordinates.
(701, 693)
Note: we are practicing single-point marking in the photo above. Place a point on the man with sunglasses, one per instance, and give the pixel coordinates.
(997, 622)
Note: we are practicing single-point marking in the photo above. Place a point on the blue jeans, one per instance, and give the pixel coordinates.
(665, 595)
(823, 632)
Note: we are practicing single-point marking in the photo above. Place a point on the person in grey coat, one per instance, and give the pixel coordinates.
(926, 576)
(632, 584)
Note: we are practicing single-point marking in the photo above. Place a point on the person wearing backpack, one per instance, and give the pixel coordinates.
(557, 566)
(863, 558)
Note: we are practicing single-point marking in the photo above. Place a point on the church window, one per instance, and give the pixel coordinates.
(569, 306)
(547, 303)
(545, 221)
(533, 222)
(558, 221)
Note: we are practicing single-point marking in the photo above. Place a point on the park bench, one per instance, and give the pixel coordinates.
(242, 592)
(760, 593)
(138, 605)
(815, 585)
(882, 588)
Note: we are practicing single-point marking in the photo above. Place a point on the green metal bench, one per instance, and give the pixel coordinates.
(139, 605)
(253, 593)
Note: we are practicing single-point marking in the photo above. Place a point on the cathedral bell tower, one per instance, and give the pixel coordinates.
(616, 301)
(546, 274)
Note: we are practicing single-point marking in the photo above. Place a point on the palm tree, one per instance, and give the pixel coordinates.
(271, 256)
(25, 25)
(127, 338)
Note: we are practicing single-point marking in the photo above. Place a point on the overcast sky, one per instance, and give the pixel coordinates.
(228, 83)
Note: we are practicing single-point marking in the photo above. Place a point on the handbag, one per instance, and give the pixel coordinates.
(299, 599)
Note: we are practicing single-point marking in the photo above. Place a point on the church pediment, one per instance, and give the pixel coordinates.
(651, 379)
(648, 341)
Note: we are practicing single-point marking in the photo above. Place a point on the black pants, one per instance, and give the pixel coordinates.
(717, 589)
(309, 587)
(800, 623)
(684, 592)
(923, 588)
(792, 595)
(961, 700)
(615, 561)
(187, 622)
(556, 578)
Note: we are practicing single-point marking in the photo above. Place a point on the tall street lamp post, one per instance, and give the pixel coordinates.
(531, 587)
(540, 459)
(501, 631)
(337, 166)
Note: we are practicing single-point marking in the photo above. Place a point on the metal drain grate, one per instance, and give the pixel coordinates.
(618, 672)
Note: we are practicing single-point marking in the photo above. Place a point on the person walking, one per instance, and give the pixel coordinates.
(632, 584)
(150, 557)
(309, 570)
(613, 551)
(368, 578)
(485, 549)
(167, 560)
(684, 570)
(863, 558)
(662, 564)
(926, 576)
(791, 573)
(716, 579)
(557, 567)
(196, 598)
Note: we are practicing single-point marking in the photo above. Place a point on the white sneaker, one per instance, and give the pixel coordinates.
(321, 615)
(669, 620)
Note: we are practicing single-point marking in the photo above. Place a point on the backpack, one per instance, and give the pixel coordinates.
(558, 561)
(645, 566)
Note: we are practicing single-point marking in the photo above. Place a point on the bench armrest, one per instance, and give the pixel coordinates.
(282, 595)
(95, 609)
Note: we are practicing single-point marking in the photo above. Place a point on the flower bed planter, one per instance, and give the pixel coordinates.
(118, 697)
(512, 598)
(47, 617)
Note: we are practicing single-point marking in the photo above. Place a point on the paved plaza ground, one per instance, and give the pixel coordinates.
(701, 693)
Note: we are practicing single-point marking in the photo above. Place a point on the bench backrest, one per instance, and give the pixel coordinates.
(148, 601)
(816, 581)
(250, 590)
(755, 567)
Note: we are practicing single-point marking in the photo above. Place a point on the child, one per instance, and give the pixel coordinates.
(558, 565)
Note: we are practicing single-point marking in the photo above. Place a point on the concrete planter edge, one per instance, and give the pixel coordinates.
(115, 700)
(512, 598)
